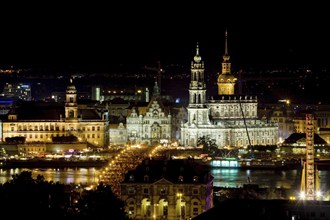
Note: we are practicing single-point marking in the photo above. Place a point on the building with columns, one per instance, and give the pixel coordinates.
(167, 189)
(40, 122)
(228, 118)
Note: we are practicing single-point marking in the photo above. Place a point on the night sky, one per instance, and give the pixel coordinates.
(99, 36)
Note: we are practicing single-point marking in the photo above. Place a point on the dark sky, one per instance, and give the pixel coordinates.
(102, 35)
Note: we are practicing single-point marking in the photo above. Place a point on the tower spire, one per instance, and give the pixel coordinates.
(226, 43)
(226, 57)
(197, 57)
(226, 81)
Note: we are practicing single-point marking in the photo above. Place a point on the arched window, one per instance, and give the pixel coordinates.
(71, 114)
(146, 178)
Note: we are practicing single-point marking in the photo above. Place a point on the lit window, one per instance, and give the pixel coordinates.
(131, 190)
(162, 191)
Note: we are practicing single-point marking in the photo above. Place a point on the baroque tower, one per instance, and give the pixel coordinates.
(197, 110)
(226, 81)
(231, 120)
(71, 106)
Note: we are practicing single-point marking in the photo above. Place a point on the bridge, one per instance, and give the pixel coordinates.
(127, 159)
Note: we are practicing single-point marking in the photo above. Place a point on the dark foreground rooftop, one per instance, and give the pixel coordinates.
(267, 209)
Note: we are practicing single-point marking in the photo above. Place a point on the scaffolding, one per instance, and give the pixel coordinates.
(309, 178)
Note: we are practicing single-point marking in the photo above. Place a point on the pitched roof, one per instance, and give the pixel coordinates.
(295, 137)
(40, 111)
(89, 114)
(169, 170)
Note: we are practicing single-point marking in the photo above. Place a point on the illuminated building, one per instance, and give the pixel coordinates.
(21, 91)
(149, 125)
(167, 189)
(296, 144)
(284, 116)
(229, 119)
(127, 94)
(117, 134)
(40, 122)
(96, 93)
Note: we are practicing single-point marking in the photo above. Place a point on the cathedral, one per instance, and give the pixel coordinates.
(230, 119)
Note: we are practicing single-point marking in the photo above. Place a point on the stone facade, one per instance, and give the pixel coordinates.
(154, 126)
(39, 123)
(232, 120)
(167, 189)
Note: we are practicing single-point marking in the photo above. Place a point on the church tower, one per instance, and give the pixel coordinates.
(197, 110)
(226, 81)
(71, 106)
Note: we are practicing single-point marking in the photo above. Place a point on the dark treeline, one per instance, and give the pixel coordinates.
(29, 198)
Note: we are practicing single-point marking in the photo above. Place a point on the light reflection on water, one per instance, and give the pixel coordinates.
(66, 176)
(289, 179)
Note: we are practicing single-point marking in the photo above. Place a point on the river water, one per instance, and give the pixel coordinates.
(289, 179)
(66, 176)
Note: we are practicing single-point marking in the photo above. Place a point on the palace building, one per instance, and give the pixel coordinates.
(228, 118)
(40, 122)
(151, 124)
(167, 189)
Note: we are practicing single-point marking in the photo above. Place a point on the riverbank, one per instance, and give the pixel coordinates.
(55, 163)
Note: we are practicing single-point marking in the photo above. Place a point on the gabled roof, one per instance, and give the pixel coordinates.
(160, 103)
(300, 137)
(163, 182)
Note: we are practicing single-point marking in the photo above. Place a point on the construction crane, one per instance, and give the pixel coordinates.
(159, 71)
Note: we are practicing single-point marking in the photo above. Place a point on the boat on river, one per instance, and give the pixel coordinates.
(252, 163)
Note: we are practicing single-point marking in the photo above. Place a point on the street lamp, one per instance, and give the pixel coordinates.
(179, 195)
(155, 213)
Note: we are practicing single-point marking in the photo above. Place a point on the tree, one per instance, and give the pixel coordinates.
(24, 196)
(31, 198)
(101, 203)
(209, 145)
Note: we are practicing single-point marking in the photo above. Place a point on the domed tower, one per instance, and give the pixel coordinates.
(226, 81)
(197, 110)
(71, 106)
